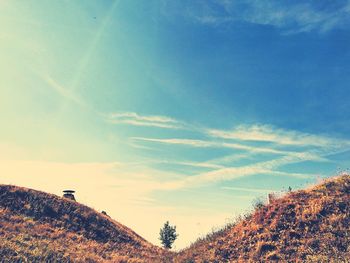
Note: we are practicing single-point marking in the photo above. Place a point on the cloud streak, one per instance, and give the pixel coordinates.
(236, 146)
(63, 91)
(268, 133)
(233, 173)
(135, 119)
(281, 147)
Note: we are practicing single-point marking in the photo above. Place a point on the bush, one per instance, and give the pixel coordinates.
(168, 235)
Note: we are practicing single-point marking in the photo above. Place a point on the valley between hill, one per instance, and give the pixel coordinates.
(311, 225)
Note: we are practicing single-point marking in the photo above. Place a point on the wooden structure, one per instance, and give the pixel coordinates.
(69, 194)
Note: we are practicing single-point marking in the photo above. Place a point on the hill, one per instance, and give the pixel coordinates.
(311, 225)
(40, 227)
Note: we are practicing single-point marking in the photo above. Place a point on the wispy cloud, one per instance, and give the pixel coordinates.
(135, 119)
(201, 164)
(63, 91)
(195, 164)
(290, 16)
(215, 144)
(264, 141)
(268, 133)
(233, 173)
(176, 141)
(232, 158)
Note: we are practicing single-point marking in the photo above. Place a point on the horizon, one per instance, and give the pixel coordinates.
(180, 111)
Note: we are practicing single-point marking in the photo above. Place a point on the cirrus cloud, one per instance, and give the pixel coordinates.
(135, 119)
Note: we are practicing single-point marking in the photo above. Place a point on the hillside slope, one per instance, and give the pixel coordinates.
(310, 225)
(38, 227)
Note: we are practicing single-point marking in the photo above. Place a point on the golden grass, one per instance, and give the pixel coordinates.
(38, 227)
(311, 225)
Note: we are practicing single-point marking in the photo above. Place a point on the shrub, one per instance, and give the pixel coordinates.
(168, 235)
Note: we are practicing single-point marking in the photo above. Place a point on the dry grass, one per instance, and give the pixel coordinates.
(37, 227)
(311, 225)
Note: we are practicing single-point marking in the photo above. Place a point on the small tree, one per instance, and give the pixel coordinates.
(168, 235)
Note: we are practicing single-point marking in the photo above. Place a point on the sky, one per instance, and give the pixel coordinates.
(184, 111)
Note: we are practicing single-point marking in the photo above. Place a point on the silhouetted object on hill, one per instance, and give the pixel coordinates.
(69, 194)
(105, 213)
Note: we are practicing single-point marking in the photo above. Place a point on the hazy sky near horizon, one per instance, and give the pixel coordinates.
(173, 110)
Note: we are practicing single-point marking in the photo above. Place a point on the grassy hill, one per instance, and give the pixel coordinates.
(40, 227)
(311, 225)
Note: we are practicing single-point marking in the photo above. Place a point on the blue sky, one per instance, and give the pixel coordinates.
(173, 110)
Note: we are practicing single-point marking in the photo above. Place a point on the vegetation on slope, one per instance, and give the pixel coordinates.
(311, 225)
(37, 227)
(308, 225)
